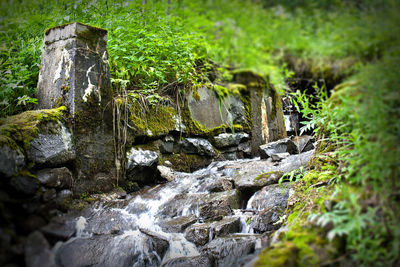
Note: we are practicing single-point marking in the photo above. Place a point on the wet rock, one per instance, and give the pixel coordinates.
(25, 184)
(279, 156)
(52, 147)
(57, 177)
(226, 226)
(245, 148)
(159, 243)
(198, 234)
(225, 251)
(199, 261)
(108, 221)
(178, 224)
(129, 249)
(220, 185)
(198, 146)
(37, 251)
(219, 204)
(248, 179)
(12, 160)
(166, 173)
(295, 161)
(266, 220)
(142, 165)
(230, 156)
(276, 147)
(270, 196)
(227, 140)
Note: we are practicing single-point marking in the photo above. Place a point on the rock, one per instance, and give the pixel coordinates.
(198, 261)
(12, 160)
(230, 156)
(270, 196)
(52, 147)
(279, 156)
(142, 165)
(220, 185)
(245, 148)
(25, 184)
(167, 147)
(31, 223)
(63, 198)
(178, 224)
(226, 226)
(266, 220)
(108, 221)
(58, 177)
(204, 107)
(219, 204)
(301, 144)
(198, 146)
(49, 194)
(198, 234)
(37, 251)
(228, 140)
(166, 173)
(276, 147)
(168, 163)
(225, 251)
(129, 249)
(59, 228)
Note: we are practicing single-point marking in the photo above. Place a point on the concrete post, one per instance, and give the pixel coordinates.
(75, 73)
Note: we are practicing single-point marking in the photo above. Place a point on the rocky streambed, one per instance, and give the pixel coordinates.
(222, 215)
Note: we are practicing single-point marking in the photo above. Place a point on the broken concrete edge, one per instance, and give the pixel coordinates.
(78, 30)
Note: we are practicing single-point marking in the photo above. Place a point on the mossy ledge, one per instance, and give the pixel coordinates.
(24, 127)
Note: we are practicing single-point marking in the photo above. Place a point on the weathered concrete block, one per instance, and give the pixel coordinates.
(75, 73)
(74, 68)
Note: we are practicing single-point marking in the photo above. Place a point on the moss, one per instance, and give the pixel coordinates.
(26, 173)
(24, 127)
(267, 175)
(156, 121)
(283, 254)
(186, 162)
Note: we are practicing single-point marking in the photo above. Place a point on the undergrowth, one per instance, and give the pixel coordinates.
(164, 46)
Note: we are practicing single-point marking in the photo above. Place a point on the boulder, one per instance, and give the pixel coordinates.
(199, 234)
(142, 165)
(270, 196)
(12, 160)
(129, 249)
(178, 224)
(302, 144)
(276, 147)
(204, 107)
(52, 147)
(25, 184)
(279, 156)
(58, 178)
(166, 173)
(227, 140)
(225, 251)
(59, 229)
(219, 204)
(226, 226)
(198, 261)
(266, 220)
(37, 251)
(198, 146)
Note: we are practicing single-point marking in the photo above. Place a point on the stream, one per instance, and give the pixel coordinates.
(222, 215)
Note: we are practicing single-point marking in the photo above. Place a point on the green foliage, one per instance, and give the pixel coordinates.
(167, 48)
(362, 120)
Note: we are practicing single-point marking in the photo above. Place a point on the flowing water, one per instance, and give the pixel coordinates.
(133, 232)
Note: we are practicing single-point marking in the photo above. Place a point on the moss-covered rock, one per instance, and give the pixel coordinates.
(185, 162)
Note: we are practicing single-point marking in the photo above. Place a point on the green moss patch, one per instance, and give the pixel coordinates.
(186, 162)
(24, 127)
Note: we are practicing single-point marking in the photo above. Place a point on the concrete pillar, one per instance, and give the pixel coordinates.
(75, 73)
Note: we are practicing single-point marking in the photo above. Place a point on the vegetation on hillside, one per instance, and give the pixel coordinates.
(165, 46)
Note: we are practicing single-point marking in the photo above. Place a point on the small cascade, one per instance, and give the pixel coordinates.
(193, 216)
